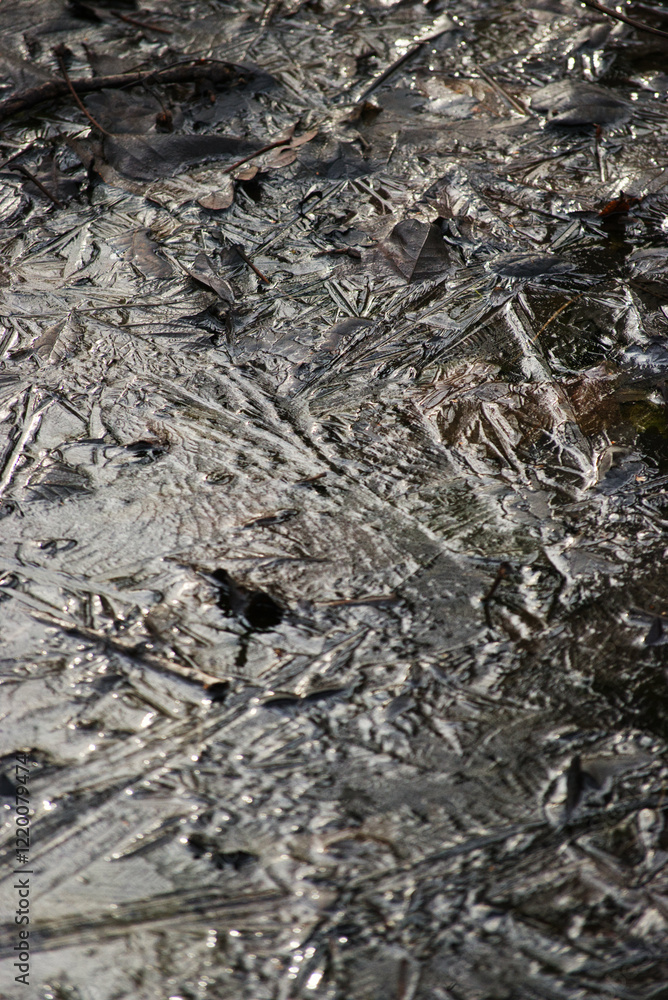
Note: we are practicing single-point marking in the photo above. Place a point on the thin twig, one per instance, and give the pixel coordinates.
(282, 227)
(244, 256)
(599, 154)
(512, 101)
(19, 168)
(140, 24)
(554, 316)
(134, 651)
(502, 574)
(548, 321)
(270, 8)
(398, 63)
(258, 152)
(63, 70)
(214, 70)
(15, 156)
(622, 17)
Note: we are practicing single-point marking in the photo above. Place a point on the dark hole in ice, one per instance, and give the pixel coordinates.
(218, 692)
(253, 188)
(578, 781)
(201, 846)
(263, 612)
(257, 607)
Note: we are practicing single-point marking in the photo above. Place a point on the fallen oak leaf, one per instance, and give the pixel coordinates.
(206, 186)
(217, 201)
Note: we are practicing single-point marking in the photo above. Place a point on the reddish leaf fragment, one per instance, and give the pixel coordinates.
(619, 206)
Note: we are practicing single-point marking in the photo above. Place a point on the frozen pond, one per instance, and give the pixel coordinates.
(333, 498)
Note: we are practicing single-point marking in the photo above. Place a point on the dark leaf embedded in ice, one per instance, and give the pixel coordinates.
(131, 114)
(147, 157)
(577, 103)
(139, 248)
(529, 265)
(417, 251)
(107, 64)
(203, 272)
(57, 341)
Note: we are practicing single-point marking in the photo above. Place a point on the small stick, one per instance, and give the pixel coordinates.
(554, 316)
(548, 321)
(398, 63)
(599, 153)
(258, 152)
(31, 177)
(140, 24)
(134, 651)
(270, 8)
(63, 70)
(622, 17)
(503, 571)
(362, 601)
(512, 101)
(32, 416)
(244, 256)
(181, 73)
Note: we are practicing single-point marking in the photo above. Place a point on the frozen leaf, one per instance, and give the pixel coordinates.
(416, 249)
(107, 64)
(210, 188)
(202, 271)
(133, 114)
(284, 155)
(139, 248)
(530, 265)
(151, 156)
(220, 198)
(575, 103)
(57, 342)
(619, 206)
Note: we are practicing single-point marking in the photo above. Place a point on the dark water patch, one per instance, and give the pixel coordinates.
(256, 607)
